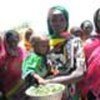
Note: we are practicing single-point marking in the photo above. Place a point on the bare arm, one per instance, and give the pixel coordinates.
(74, 76)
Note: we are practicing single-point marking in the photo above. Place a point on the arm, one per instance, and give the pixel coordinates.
(74, 76)
(33, 79)
(29, 68)
(29, 65)
(80, 66)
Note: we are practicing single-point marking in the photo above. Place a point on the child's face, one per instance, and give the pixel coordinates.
(58, 22)
(42, 47)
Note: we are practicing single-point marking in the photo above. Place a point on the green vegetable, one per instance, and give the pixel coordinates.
(44, 90)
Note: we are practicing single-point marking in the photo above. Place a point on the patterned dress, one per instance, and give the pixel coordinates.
(67, 58)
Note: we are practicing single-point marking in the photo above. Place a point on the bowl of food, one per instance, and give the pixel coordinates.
(46, 92)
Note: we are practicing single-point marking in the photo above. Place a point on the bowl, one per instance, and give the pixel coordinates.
(47, 92)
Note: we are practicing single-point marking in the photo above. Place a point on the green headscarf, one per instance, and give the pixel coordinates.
(63, 11)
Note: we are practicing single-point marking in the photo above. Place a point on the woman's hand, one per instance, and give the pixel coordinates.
(41, 81)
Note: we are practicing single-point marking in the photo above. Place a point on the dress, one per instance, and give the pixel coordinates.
(68, 57)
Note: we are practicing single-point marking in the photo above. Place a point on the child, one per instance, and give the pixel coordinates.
(34, 67)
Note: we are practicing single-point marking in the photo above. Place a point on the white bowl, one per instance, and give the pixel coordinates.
(52, 96)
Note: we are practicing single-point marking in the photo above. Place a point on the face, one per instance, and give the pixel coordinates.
(42, 47)
(58, 22)
(13, 42)
(87, 28)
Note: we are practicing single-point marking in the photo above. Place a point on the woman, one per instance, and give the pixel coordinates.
(90, 85)
(10, 65)
(67, 51)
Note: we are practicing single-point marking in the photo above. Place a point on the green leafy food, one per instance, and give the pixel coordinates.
(43, 90)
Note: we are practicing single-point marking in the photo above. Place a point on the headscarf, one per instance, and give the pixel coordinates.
(63, 11)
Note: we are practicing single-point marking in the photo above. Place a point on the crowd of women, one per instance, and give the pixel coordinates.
(70, 58)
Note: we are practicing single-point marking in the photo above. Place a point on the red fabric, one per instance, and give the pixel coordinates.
(91, 80)
(10, 70)
(91, 45)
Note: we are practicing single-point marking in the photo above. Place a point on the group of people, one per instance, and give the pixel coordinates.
(70, 58)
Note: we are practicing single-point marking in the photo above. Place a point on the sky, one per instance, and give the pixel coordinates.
(16, 12)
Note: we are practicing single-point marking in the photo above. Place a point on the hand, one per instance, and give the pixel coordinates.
(41, 81)
(55, 72)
